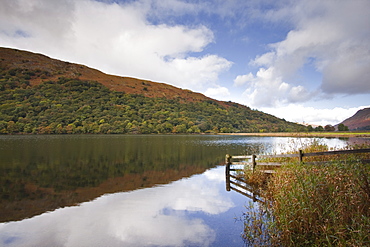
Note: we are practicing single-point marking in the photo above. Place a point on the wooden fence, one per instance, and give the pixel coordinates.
(235, 164)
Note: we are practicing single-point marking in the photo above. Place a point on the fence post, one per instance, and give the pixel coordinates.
(300, 156)
(254, 161)
(227, 171)
(228, 158)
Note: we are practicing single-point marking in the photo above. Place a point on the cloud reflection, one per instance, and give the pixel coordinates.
(162, 216)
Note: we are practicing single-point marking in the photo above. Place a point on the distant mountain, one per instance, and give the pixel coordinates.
(359, 121)
(41, 95)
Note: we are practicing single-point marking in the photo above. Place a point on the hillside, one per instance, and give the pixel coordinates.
(37, 68)
(41, 95)
(359, 121)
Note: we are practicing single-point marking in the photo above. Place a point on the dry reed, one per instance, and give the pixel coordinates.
(313, 205)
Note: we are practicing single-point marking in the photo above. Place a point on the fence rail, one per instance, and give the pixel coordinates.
(238, 163)
(253, 158)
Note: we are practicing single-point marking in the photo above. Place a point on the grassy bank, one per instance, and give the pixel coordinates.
(311, 205)
(307, 134)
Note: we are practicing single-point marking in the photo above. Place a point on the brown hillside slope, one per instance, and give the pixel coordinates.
(42, 68)
(359, 121)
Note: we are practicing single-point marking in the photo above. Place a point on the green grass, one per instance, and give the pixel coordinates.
(311, 205)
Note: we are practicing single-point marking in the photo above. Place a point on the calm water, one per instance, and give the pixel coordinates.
(121, 190)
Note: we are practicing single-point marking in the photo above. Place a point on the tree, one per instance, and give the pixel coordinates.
(342, 127)
(70, 128)
(179, 128)
(105, 128)
(329, 127)
(73, 106)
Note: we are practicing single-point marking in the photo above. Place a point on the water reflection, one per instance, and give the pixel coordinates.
(283, 144)
(42, 173)
(241, 185)
(177, 214)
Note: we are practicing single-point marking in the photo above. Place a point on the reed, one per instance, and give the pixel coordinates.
(314, 205)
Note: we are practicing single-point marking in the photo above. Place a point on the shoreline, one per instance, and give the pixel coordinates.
(305, 134)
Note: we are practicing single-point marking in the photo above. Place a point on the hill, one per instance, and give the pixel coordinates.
(41, 95)
(38, 68)
(359, 121)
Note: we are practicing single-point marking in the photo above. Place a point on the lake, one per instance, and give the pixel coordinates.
(124, 190)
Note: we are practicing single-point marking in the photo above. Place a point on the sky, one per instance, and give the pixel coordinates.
(304, 61)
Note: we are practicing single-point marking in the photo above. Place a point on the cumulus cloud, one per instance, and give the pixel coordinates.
(338, 37)
(117, 38)
(217, 92)
(267, 89)
(40, 23)
(264, 59)
(243, 79)
(331, 36)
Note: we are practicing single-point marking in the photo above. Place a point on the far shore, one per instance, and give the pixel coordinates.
(306, 134)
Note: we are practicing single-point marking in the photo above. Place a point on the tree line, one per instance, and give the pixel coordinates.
(328, 127)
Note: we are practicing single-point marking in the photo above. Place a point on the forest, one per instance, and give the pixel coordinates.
(74, 106)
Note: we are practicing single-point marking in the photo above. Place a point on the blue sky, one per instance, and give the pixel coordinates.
(305, 61)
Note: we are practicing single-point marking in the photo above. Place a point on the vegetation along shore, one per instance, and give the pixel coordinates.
(307, 134)
(327, 204)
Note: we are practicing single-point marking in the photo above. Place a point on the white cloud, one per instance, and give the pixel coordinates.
(133, 47)
(267, 89)
(197, 72)
(331, 36)
(125, 44)
(299, 113)
(264, 59)
(217, 92)
(45, 23)
(243, 79)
